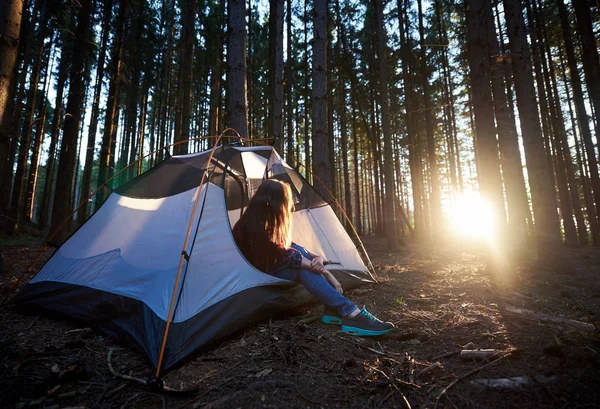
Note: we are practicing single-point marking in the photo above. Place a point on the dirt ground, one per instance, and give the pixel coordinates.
(541, 324)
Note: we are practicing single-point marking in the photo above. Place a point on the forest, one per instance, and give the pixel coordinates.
(456, 138)
(409, 112)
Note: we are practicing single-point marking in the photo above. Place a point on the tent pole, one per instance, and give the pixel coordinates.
(182, 259)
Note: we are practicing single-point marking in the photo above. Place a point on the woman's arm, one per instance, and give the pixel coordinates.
(319, 269)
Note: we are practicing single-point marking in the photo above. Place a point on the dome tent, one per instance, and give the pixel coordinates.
(119, 270)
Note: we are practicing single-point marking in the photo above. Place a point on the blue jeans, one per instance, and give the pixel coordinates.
(316, 284)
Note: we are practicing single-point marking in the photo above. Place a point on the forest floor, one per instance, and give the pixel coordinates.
(441, 301)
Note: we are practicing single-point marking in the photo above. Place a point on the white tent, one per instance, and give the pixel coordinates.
(119, 270)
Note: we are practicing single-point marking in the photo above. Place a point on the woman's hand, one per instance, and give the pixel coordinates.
(334, 282)
(316, 264)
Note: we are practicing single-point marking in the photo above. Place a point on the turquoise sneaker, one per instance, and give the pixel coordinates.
(365, 324)
(331, 316)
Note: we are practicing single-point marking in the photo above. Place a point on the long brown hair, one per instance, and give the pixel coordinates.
(263, 233)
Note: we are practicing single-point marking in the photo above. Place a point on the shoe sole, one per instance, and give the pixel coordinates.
(331, 320)
(364, 332)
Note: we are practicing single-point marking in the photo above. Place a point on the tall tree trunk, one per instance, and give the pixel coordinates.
(414, 146)
(250, 44)
(18, 194)
(388, 168)
(141, 132)
(570, 202)
(111, 118)
(12, 126)
(434, 189)
(510, 155)
(550, 126)
(65, 61)
(68, 149)
(357, 190)
(307, 151)
(237, 105)
(186, 69)
(486, 144)
(276, 72)
(11, 13)
(584, 182)
(448, 98)
(289, 80)
(216, 74)
(37, 144)
(589, 54)
(582, 118)
(91, 145)
(542, 192)
(136, 66)
(344, 147)
(342, 78)
(320, 139)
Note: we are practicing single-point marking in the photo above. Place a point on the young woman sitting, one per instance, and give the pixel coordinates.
(263, 234)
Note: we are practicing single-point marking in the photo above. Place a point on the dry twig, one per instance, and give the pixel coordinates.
(118, 375)
(430, 368)
(538, 316)
(471, 372)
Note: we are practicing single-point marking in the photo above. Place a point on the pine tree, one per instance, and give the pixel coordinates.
(67, 160)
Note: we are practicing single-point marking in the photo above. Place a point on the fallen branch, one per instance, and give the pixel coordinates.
(478, 354)
(309, 319)
(517, 382)
(118, 375)
(429, 369)
(411, 369)
(471, 372)
(583, 309)
(446, 355)
(538, 316)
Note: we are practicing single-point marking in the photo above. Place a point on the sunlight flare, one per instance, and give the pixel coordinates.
(471, 216)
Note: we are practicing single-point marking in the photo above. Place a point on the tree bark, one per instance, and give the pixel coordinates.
(216, 74)
(91, 145)
(510, 155)
(289, 80)
(11, 126)
(276, 72)
(320, 139)
(564, 160)
(414, 146)
(186, 69)
(388, 168)
(111, 118)
(37, 144)
(68, 150)
(11, 14)
(307, 150)
(237, 105)
(589, 55)
(434, 189)
(490, 181)
(63, 73)
(582, 118)
(542, 192)
(342, 79)
(17, 207)
(584, 182)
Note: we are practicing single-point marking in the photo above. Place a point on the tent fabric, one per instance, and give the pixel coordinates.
(119, 270)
